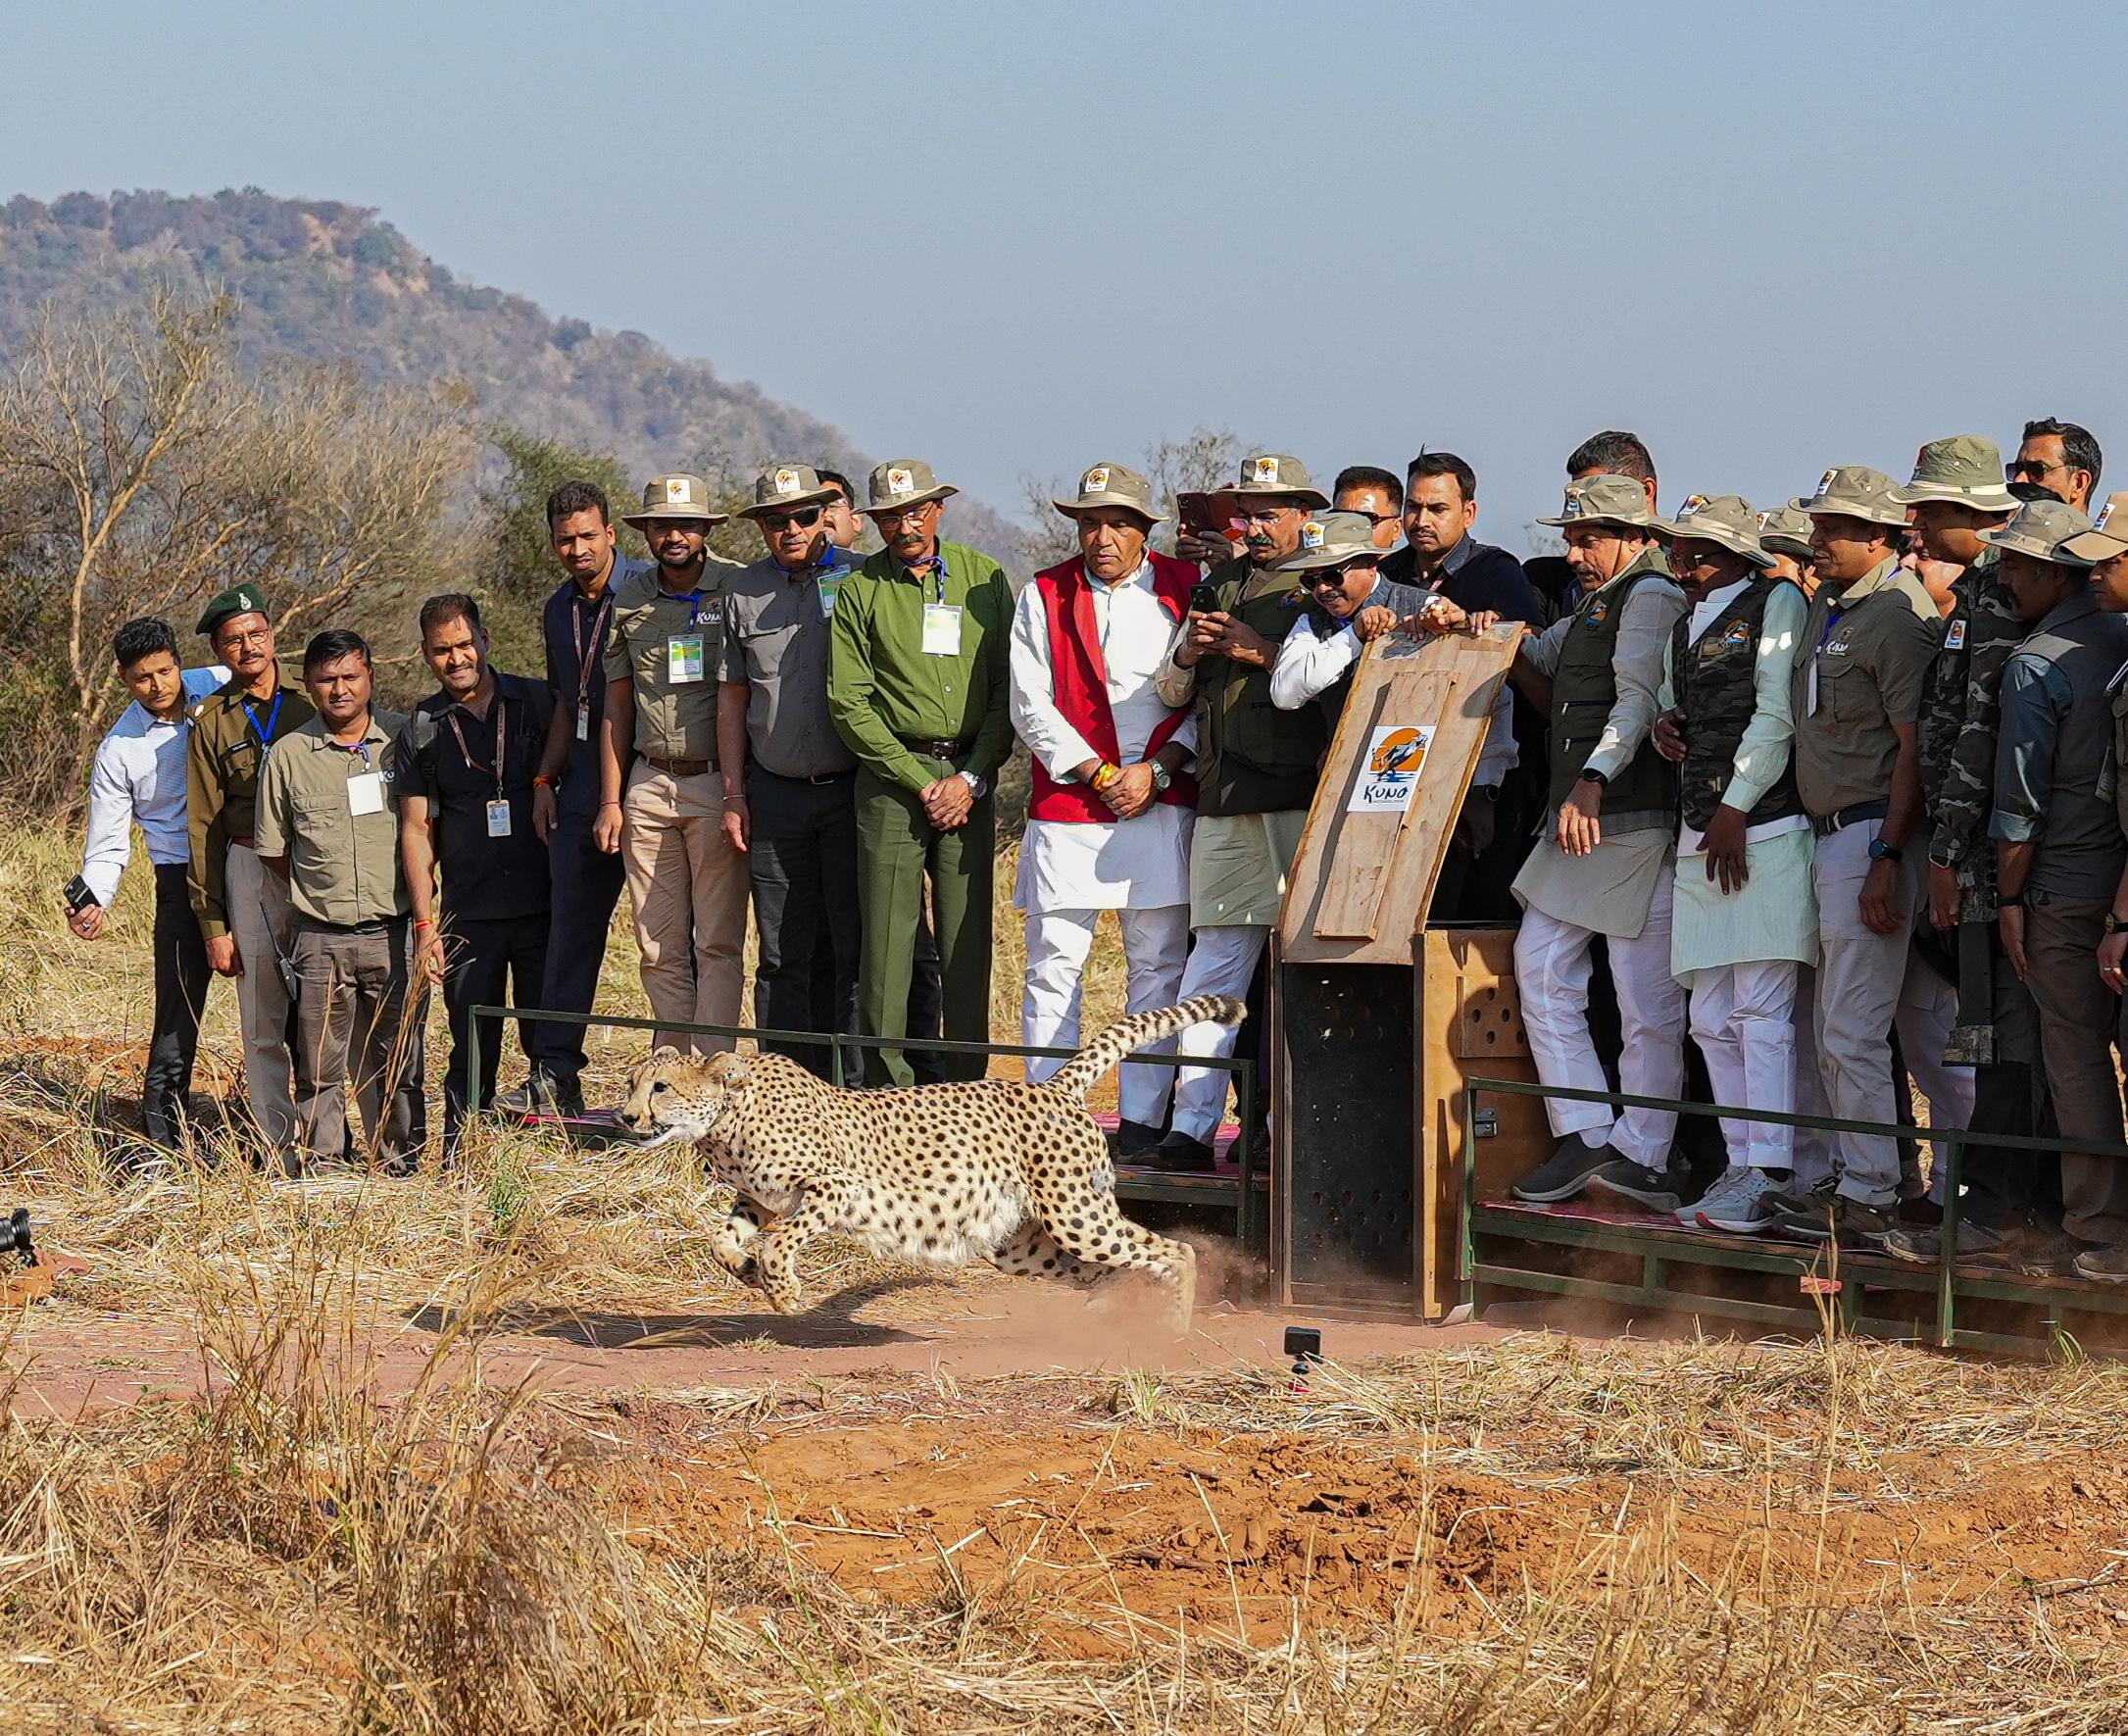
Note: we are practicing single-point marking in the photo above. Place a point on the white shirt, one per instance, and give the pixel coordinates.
(1307, 666)
(139, 777)
(1139, 864)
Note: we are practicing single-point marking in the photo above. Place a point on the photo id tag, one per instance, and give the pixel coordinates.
(366, 793)
(683, 659)
(1810, 697)
(942, 629)
(828, 588)
(583, 722)
(498, 820)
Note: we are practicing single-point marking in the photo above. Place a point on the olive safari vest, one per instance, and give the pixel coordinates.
(1712, 677)
(1585, 687)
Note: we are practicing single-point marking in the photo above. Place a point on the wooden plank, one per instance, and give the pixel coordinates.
(1360, 883)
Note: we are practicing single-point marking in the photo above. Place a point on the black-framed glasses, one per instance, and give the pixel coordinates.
(1316, 578)
(2030, 469)
(805, 518)
(1373, 518)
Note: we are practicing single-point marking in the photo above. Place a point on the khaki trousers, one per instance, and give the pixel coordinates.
(689, 888)
(263, 923)
(2077, 1017)
(351, 1015)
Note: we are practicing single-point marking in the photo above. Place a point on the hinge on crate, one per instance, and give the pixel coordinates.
(1488, 1126)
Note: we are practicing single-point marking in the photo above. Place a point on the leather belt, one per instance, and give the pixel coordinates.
(818, 778)
(938, 750)
(1825, 824)
(680, 768)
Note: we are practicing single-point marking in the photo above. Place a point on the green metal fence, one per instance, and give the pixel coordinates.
(1187, 1189)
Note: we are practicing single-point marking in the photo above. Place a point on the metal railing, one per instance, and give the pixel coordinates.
(1180, 1191)
(1951, 1142)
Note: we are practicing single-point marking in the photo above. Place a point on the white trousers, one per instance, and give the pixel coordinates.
(1744, 1019)
(1155, 942)
(1222, 962)
(1928, 1006)
(1552, 972)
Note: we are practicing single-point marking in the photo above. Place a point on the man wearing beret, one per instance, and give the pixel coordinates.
(661, 798)
(1602, 860)
(243, 910)
(1108, 819)
(918, 688)
(1255, 772)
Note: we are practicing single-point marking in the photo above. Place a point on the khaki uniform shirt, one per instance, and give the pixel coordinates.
(343, 867)
(1861, 671)
(777, 630)
(221, 784)
(652, 643)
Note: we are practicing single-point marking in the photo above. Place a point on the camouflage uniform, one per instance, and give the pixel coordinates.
(1960, 728)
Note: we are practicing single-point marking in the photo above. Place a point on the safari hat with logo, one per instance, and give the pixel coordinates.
(1855, 491)
(1274, 472)
(677, 496)
(238, 599)
(1112, 485)
(1332, 539)
(787, 486)
(1726, 519)
(1606, 500)
(1966, 469)
(2107, 535)
(903, 483)
(2043, 530)
(1782, 530)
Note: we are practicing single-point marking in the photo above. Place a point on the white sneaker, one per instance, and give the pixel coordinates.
(1739, 1204)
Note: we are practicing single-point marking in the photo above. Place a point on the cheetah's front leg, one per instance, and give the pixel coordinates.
(775, 1249)
(731, 1243)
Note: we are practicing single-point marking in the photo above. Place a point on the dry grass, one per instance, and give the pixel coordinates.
(312, 1547)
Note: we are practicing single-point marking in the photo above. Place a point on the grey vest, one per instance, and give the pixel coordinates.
(2081, 850)
(1585, 687)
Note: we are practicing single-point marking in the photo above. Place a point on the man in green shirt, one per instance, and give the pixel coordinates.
(917, 687)
(328, 826)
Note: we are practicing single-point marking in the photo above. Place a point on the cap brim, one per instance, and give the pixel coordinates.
(1606, 520)
(1093, 502)
(2061, 554)
(1309, 559)
(1913, 494)
(913, 500)
(783, 502)
(1821, 506)
(2094, 545)
(1321, 500)
(1728, 539)
(641, 518)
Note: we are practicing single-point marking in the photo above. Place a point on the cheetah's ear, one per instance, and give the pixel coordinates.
(729, 1069)
(662, 1052)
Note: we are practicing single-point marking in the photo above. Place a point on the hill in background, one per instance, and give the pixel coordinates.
(328, 282)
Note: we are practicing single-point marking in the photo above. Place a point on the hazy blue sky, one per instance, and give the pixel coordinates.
(1771, 238)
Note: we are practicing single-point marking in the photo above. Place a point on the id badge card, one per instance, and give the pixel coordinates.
(683, 659)
(1810, 695)
(583, 722)
(498, 820)
(366, 793)
(942, 629)
(828, 588)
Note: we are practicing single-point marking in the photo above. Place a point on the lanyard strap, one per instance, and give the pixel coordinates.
(273, 719)
(598, 641)
(502, 742)
(351, 748)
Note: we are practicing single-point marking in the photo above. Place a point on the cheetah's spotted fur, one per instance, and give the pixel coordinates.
(936, 1173)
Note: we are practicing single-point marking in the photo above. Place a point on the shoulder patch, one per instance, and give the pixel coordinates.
(1955, 635)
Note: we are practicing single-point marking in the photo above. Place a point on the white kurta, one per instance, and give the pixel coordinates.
(1136, 864)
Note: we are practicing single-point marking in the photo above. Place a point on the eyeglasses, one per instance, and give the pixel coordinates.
(805, 518)
(1372, 518)
(902, 515)
(2030, 468)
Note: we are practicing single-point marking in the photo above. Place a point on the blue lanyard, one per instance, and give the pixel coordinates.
(273, 717)
(693, 599)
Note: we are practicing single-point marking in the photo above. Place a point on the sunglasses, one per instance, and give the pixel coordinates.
(1322, 578)
(805, 518)
(2029, 467)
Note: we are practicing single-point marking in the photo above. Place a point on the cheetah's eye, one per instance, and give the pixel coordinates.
(660, 1085)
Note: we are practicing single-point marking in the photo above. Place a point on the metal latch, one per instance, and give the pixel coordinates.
(1488, 1126)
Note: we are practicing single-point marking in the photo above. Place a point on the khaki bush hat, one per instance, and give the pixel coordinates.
(2107, 535)
(1332, 539)
(238, 599)
(1606, 499)
(677, 496)
(1785, 531)
(1112, 485)
(787, 486)
(1274, 472)
(1855, 491)
(1965, 469)
(1727, 519)
(903, 483)
(2043, 530)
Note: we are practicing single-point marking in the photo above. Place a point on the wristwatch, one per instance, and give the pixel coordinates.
(1598, 779)
(1161, 778)
(2114, 924)
(976, 785)
(1880, 851)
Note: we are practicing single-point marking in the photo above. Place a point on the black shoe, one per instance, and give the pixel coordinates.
(1845, 1222)
(541, 1095)
(1566, 1173)
(1921, 1213)
(1626, 1179)
(1180, 1153)
(1132, 1142)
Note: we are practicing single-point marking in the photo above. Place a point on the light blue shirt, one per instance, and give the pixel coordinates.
(139, 780)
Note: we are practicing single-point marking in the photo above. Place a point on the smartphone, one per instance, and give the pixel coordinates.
(78, 896)
(1204, 598)
(1200, 513)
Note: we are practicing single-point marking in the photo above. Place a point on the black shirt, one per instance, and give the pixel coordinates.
(575, 634)
(1475, 577)
(484, 879)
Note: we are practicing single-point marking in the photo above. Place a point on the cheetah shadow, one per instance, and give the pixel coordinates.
(830, 1327)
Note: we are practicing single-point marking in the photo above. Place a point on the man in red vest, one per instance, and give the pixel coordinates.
(1108, 819)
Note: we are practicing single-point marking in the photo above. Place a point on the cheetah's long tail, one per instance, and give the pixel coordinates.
(1077, 1075)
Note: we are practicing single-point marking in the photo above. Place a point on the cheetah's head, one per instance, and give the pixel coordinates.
(675, 1096)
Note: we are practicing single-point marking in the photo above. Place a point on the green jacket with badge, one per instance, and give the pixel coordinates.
(1252, 758)
(222, 760)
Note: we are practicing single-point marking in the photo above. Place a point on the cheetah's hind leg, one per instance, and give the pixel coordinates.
(1031, 1250)
(1089, 1224)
